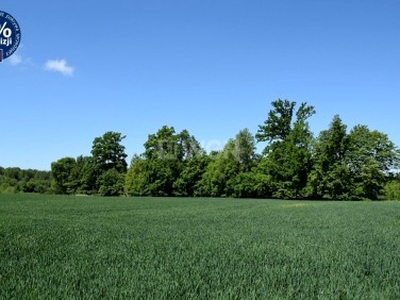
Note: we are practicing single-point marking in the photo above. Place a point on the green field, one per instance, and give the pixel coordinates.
(64, 247)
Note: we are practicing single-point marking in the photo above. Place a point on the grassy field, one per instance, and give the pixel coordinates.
(133, 248)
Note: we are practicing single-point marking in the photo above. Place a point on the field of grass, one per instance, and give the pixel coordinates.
(57, 247)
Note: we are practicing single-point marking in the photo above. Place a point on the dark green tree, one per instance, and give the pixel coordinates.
(85, 175)
(108, 152)
(111, 183)
(245, 150)
(137, 181)
(351, 166)
(392, 190)
(193, 169)
(14, 180)
(162, 145)
(287, 156)
(229, 165)
(61, 171)
(163, 157)
(278, 125)
(170, 165)
(370, 158)
(331, 177)
(108, 159)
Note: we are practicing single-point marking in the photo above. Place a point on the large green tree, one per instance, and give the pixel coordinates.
(109, 153)
(61, 171)
(222, 168)
(351, 165)
(163, 157)
(108, 163)
(136, 180)
(85, 175)
(170, 165)
(331, 177)
(287, 156)
(370, 158)
(192, 171)
(25, 180)
(227, 167)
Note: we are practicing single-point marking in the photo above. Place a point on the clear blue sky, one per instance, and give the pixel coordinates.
(212, 67)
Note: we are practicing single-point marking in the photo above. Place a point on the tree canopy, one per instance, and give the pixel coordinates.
(336, 164)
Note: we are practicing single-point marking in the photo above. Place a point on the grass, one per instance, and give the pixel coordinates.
(136, 248)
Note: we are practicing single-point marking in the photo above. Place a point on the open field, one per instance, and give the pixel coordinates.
(90, 247)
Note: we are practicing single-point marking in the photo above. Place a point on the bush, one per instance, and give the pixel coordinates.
(392, 190)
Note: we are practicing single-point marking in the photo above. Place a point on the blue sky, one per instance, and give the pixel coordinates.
(212, 67)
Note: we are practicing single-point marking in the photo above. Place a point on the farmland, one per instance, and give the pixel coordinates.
(168, 248)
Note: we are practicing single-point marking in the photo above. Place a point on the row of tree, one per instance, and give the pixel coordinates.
(15, 180)
(337, 164)
(102, 173)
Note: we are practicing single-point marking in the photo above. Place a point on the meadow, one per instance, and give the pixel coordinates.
(69, 247)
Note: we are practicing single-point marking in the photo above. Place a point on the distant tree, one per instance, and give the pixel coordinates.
(163, 160)
(35, 181)
(61, 171)
(351, 166)
(370, 158)
(193, 162)
(192, 171)
(162, 145)
(24, 180)
(251, 184)
(221, 169)
(13, 173)
(92, 174)
(84, 176)
(187, 147)
(137, 181)
(108, 159)
(278, 125)
(287, 156)
(221, 175)
(111, 183)
(170, 165)
(331, 177)
(392, 190)
(245, 150)
(108, 152)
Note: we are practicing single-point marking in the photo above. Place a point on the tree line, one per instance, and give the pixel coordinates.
(337, 164)
(17, 180)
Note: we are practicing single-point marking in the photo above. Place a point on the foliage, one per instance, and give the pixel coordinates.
(56, 247)
(108, 152)
(61, 171)
(84, 177)
(136, 178)
(222, 173)
(372, 155)
(193, 169)
(171, 165)
(351, 165)
(111, 183)
(102, 173)
(288, 153)
(337, 165)
(392, 190)
(250, 185)
(331, 177)
(14, 180)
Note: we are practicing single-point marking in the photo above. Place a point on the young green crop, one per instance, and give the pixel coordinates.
(159, 248)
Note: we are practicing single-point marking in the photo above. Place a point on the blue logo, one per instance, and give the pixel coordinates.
(10, 35)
